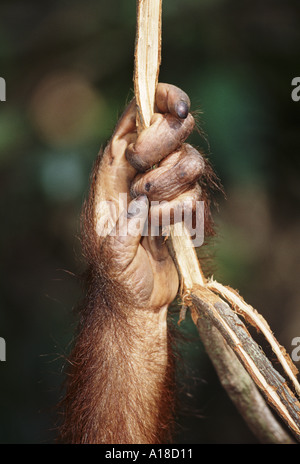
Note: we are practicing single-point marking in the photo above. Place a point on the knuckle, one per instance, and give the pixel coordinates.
(177, 173)
(134, 157)
(191, 164)
(165, 135)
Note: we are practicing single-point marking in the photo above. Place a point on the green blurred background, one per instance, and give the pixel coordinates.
(68, 68)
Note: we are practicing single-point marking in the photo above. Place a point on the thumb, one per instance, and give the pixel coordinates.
(136, 219)
(122, 243)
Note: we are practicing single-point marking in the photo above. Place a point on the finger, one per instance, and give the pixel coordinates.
(165, 213)
(187, 209)
(171, 99)
(174, 175)
(120, 246)
(164, 136)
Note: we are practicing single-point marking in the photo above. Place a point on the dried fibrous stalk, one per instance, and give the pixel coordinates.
(204, 303)
(147, 58)
(257, 320)
(271, 383)
(240, 387)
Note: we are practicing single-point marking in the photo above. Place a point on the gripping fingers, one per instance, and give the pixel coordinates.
(181, 209)
(175, 174)
(164, 136)
(166, 132)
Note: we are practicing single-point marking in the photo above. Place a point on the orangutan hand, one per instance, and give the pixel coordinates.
(140, 263)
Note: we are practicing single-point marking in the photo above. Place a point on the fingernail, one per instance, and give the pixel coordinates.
(137, 206)
(182, 109)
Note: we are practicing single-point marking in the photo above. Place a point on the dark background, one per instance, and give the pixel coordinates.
(68, 68)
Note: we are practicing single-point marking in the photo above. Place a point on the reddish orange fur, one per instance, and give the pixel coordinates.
(109, 399)
(100, 379)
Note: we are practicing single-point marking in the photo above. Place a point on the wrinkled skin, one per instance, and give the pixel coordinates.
(143, 265)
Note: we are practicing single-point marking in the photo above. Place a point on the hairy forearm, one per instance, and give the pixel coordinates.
(120, 384)
(117, 386)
